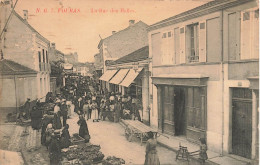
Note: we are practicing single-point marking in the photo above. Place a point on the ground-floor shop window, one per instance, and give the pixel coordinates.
(182, 111)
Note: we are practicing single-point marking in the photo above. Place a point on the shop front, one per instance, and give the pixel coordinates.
(182, 106)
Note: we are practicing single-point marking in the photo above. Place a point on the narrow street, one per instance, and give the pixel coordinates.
(109, 135)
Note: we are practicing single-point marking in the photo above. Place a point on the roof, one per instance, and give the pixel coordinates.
(8, 67)
(207, 8)
(121, 31)
(138, 55)
(26, 23)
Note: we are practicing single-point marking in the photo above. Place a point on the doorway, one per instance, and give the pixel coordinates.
(179, 111)
(242, 122)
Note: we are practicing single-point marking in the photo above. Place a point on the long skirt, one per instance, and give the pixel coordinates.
(152, 159)
(95, 114)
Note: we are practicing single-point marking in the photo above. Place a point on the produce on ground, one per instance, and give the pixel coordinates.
(85, 152)
(112, 160)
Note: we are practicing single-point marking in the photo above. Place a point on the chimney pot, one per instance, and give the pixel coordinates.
(25, 15)
(131, 22)
(53, 45)
(113, 32)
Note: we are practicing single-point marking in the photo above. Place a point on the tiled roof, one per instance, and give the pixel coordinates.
(138, 55)
(207, 8)
(123, 31)
(29, 26)
(8, 67)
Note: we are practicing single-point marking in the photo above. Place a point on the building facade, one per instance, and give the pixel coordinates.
(21, 43)
(204, 80)
(54, 54)
(129, 75)
(122, 43)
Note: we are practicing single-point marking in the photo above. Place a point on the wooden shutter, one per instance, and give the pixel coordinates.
(182, 45)
(245, 35)
(202, 42)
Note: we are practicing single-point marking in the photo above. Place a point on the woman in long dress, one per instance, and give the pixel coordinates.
(65, 137)
(36, 118)
(83, 129)
(94, 111)
(151, 156)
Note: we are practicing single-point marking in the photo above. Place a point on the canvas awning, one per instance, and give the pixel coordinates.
(180, 79)
(108, 75)
(119, 77)
(130, 77)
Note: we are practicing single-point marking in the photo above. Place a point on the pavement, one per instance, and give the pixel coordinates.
(173, 142)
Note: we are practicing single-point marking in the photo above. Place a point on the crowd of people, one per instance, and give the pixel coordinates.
(82, 97)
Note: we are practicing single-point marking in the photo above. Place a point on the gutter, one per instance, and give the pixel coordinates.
(222, 82)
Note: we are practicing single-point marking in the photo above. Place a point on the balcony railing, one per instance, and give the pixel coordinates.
(44, 67)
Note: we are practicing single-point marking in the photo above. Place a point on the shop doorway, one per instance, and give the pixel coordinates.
(242, 122)
(173, 115)
(179, 111)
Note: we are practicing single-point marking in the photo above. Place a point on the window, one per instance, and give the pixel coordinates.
(43, 55)
(39, 56)
(250, 34)
(194, 43)
(196, 101)
(167, 48)
(47, 60)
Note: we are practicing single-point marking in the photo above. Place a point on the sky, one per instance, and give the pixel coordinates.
(77, 25)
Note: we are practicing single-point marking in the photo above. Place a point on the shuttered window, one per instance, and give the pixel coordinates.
(250, 34)
(196, 103)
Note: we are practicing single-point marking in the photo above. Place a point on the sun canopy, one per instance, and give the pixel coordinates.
(119, 77)
(108, 75)
(130, 77)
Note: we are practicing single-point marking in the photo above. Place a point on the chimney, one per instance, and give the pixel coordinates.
(113, 32)
(25, 15)
(53, 45)
(131, 22)
(2, 55)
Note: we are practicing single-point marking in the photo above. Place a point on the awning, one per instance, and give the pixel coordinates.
(180, 79)
(130, 77)
(254, 82)
(120, 75)
(108, 75)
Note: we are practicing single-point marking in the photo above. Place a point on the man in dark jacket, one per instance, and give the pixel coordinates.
(64, 112)
(54, 151)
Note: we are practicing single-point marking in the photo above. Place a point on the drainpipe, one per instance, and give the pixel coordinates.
(222, 82)
(15, 93)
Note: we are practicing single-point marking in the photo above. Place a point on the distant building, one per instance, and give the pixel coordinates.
(54, 54)
(122, 43)
(83, 69)
(71, 58)
(98, 64)
(22, 44)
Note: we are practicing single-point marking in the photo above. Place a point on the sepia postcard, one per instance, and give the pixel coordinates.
(135, 82)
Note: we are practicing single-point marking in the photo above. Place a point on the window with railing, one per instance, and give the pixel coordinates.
(194, 43)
